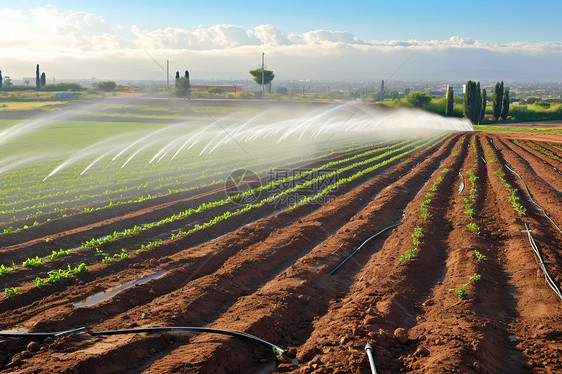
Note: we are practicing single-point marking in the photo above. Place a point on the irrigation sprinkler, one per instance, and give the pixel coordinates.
(369, 350)
(461, 187)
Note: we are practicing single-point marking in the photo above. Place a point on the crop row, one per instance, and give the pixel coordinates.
(38, 209)
(370, 169)
(543, 150)
(100, 242)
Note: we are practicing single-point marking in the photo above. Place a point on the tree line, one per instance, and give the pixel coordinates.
(475, 100)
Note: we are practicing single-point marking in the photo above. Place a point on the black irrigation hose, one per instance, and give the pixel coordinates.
(365, 242)
(40, 335)
(278, 351)
(549, 280)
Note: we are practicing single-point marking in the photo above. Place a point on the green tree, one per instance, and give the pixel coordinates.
(418, 99)
(505, 105)
(37, 79)
(472, 101)
(267, 76)
(107, 86)
(484, 102)
(215, 91)
(497, 99)
(183, 87)
(477, 103)
(43, 79)
(449, 102)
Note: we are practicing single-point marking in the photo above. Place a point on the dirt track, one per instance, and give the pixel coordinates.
(267, 275)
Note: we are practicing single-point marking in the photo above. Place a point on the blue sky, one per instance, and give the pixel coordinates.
(455, 40)
(490, 21)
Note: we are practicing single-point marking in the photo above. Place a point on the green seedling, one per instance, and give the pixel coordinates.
(38, 282)
(60, 253)
(408, 255)
(479, 256)
(461, 291)
(5, 269)
(32, 262)
(473, 227)
(10, 291)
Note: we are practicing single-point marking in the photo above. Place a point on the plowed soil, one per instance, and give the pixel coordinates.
(266, 273)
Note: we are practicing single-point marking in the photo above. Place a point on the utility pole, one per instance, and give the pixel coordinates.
(167, 74)
(262, 75)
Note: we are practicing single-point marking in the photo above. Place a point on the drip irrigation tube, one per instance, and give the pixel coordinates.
(365, 242)
(540, 208)
(461, 187)
(549, 280)
(369, 351)
(278, 351)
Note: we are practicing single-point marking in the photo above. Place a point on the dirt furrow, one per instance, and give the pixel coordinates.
(537, 309)
(291, 301)
(542, 171)
(173, 246)
(293, 242)
(461, 329)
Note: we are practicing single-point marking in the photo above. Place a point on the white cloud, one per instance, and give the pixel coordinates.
(79, 44)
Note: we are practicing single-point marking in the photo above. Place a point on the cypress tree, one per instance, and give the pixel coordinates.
(1, 79)
(472, 101)
(477, 106)
(37, 79)
(505, 106)
(497, 100)
(43, 79)
(483, 111)
(188, 85)
(449, 102)
(467, 99)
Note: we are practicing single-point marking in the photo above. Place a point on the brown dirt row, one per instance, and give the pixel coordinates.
(549, 146)
(146, 211)
(537, 309)
(550, 201)
(542, 193)
(284, 314)
(163, 232)
(536, 163)
(72, 238)
(386, 294)
(464, 335)
(546, 159)
(551, 174)
(269, 278)
(151, 307)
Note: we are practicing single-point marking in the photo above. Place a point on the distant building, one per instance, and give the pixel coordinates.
(64, 95)
(458, 89)
(225, 88)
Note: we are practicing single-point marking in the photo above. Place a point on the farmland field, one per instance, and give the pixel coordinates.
(149, 209)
